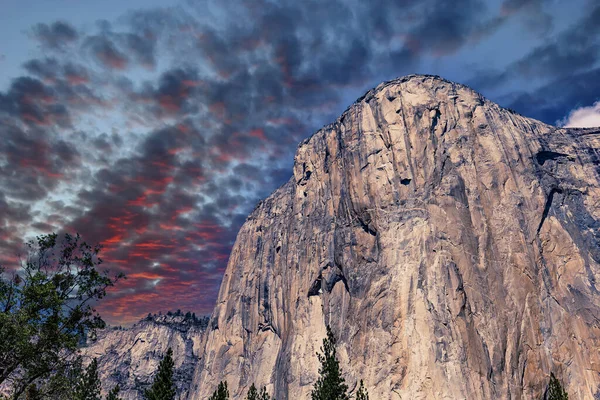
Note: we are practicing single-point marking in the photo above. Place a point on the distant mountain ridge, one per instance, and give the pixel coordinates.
(130, 356)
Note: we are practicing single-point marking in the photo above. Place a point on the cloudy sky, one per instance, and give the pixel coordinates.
(155, 126)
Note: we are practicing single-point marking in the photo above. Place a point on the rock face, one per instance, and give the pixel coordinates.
(452, 245)
(130, 357)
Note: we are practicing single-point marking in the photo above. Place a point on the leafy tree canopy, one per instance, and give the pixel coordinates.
(46, 311)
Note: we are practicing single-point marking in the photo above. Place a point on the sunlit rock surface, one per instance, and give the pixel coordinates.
(130, 357)
(452, 245)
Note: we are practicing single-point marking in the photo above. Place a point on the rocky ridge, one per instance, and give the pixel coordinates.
(130, 356)
(452, 245)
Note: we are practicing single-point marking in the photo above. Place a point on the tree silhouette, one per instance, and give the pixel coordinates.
(221, 393)
(362, 393)
(330, 385)
(254, 394)
(555, 390)
(163, 387)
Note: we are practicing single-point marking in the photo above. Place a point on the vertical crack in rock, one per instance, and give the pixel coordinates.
(547, 206)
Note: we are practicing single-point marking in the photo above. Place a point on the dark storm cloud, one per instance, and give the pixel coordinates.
(576, 49)
(446, 26)
(573, 50)
(34, 103)
(45, 68)
(142, 48)
(106, 52)
(553, 101)
(31, 163)
(536, 19)
(55, 36)
(172, 93)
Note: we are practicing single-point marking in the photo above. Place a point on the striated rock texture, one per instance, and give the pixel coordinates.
(130, 357)
(452, 245)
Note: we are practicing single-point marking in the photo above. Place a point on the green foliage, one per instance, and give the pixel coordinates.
(45, 312)
(555, 390)
(330, 385)
(114, 393)
(362, 393)
(163, 387)
(263, 395)
(88, 385)
(222, 393)
(254, 394)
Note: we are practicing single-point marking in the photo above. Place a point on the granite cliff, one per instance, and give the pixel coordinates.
(452, 245)
(130, 356)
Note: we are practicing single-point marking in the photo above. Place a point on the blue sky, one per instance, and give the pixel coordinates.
(154, 127)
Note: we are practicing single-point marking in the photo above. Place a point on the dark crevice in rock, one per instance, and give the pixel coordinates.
(305, 177)
(405, 181)
(435, 120)
(365, 227)
(334, 278)
(278, 249)
(545, 155)
(315, 288)
(548, 206)
(267, 326)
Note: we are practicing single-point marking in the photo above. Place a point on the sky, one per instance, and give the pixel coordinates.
(154, 127)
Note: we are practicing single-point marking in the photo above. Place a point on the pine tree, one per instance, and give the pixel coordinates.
(555, 390)
(330, 385)
(263, 394)
(163, 387)
(88, 384)
(114, 393)
(222, 393)
(362, 393)
(252, 393)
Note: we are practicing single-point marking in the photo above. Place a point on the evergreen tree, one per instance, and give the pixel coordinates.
(330, 385)
(222, 393)
(263, 394)
(163, 387)
(555, 390)
(88, 384)
(362, 393)
(114, 393)
(253, 394)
